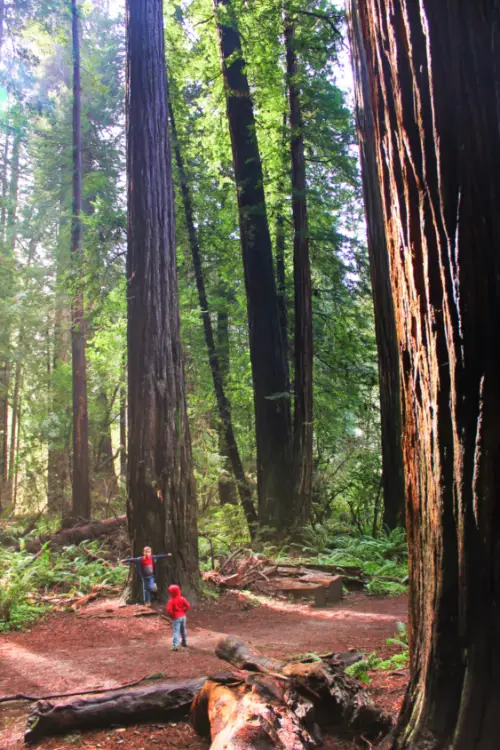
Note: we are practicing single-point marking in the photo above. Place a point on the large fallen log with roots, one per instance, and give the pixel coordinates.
(266, 703)
(338, 700)
(164, 701)
(78, 534)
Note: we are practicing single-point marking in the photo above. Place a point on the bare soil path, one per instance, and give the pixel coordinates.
(106, 645)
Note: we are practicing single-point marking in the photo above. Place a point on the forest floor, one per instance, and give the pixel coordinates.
(106, 645)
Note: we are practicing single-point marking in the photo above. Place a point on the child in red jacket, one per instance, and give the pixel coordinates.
(177, 607)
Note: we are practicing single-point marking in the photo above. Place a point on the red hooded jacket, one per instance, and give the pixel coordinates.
(177, 606)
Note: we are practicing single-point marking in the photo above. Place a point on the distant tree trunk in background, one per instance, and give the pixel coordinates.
(216, 367)
(104, 477)
(81, 485)
(123, 431)
(267, 350)
(162, 506)
(58, 450)
(280, 250)
(228, 493)
(385, 323)
(10, 189)
(434, 81)
(4, 341)
(303, 339)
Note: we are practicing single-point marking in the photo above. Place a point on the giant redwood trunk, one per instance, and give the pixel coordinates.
(80, 507)
(267, 350)
(303, 340)
(385, 322)
(434, 81)
(161, 488)
(223, 404)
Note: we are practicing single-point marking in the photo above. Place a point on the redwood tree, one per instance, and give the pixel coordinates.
(161, 488)
(434, 87)
(385, 322)
(81, 485)
(303, 339)
(267, 348)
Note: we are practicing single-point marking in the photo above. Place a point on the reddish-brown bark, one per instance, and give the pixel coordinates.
(161, 488)
(433, 72)
(385, 322)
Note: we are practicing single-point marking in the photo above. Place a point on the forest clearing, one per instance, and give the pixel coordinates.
(249, 374)
(106, 645)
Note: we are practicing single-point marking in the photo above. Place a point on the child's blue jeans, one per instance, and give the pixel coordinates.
(179, 626)
(147, 587)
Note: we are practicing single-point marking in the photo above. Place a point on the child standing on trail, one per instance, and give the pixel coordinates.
(146, 571)
(177, 607)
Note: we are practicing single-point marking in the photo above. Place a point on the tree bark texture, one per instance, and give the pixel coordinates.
(161, 489)
(163, 701)
(385, 322)
(228, 491)
(81, 484)
(223, 404)
(433, 73)
(303, 339)
(267, 349)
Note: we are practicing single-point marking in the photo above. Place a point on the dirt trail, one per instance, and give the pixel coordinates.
(105, 646)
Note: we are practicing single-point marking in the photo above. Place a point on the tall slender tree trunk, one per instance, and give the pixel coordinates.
(81, 485)
(223, 404)
(385, 322)
(303, 339)
(104, 477)
(58, 478)
(9, 229)
(434, 83)
(18, 447)
(123, 432)
(228, 491)
(4, 341)
(14, 433)
(267, 349)
(17, 396)
(280, 239)
(161, 488)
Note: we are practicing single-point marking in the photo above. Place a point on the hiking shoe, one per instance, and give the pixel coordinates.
(175, 648)
(184, 645)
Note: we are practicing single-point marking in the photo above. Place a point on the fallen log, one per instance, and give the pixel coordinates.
(324, 590)
(258, 713)
(339, 701)
(78, 534)
(164, 701)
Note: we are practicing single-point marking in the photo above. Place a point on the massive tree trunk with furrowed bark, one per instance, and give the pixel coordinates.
(434, 84)
(385, 322)
(161, 487)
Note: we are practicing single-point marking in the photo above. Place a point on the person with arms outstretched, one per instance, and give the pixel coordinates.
(146, 571)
